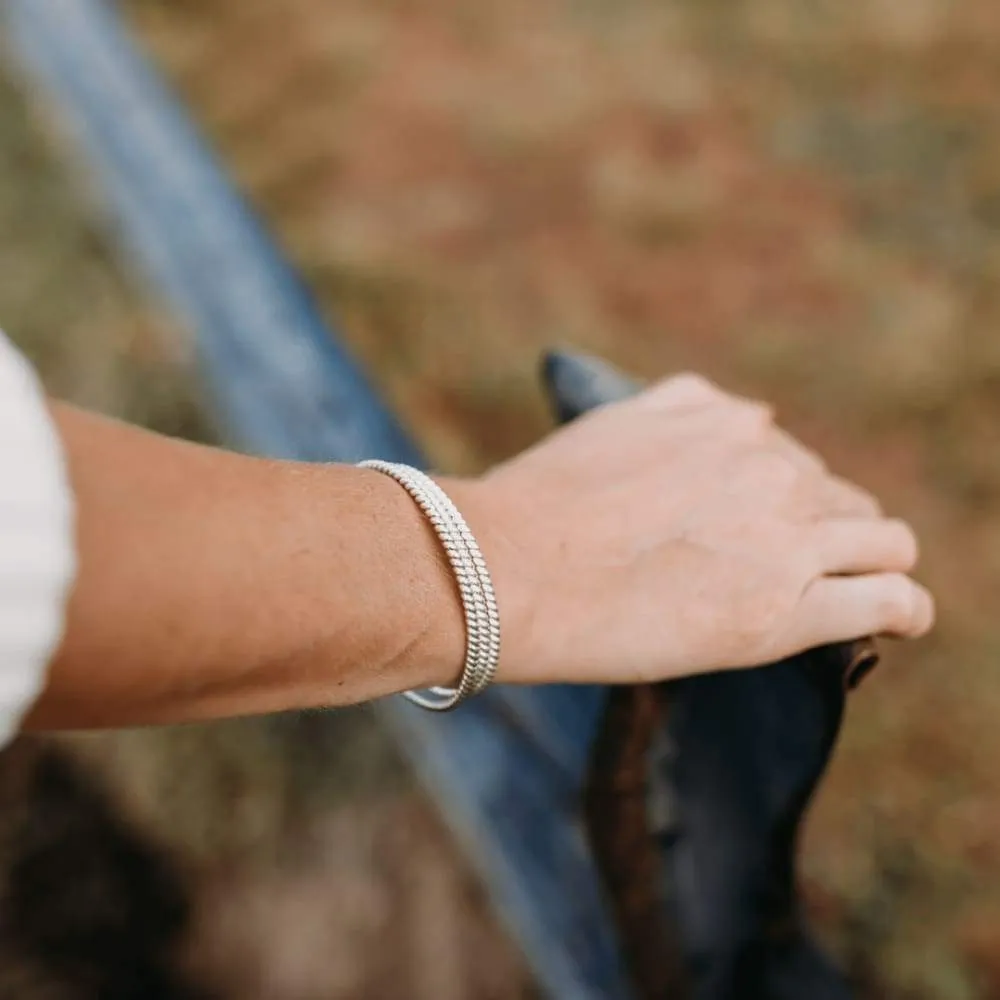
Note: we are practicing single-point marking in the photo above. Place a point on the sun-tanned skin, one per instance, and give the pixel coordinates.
(675, 533)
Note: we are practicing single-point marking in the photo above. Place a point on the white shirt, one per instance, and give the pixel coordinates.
(37, 551)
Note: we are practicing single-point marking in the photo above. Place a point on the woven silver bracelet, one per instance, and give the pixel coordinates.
(482, 619)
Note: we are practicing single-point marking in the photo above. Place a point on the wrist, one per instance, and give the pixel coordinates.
(425, 642)
(490, 513)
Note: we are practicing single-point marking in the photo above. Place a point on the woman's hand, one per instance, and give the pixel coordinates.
(680, 532)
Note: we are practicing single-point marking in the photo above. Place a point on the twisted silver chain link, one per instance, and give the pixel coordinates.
(482, 619)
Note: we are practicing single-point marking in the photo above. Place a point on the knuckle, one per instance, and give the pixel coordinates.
(683, 390)
(806, 457)
(690, 381)
(690, 386)
(867, 501)
(846, 497)
(775, 471)
(763, 413)
(755, 419)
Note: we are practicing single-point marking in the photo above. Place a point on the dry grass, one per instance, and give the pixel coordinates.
(801, 198)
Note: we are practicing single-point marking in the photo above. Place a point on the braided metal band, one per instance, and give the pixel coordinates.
(482, 619)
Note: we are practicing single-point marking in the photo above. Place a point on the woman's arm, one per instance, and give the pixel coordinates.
(214, 584)
(677, 532)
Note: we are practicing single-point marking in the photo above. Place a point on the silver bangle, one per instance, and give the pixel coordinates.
(482, 618)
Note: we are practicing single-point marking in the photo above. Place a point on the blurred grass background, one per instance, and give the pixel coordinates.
(799, 197)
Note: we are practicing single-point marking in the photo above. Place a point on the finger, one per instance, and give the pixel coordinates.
(803, 457)
(681, 391)
(841, 609)
(864, 545)
(689, 391)
(835, 497)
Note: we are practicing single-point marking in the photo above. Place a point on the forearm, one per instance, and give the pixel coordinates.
(213, 584)
(677, 533)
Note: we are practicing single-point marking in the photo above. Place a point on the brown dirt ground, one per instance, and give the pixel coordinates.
(800, 198)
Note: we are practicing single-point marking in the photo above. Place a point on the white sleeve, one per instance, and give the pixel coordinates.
(37, 558)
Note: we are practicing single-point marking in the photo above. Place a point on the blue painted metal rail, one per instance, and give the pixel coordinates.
(506, 770)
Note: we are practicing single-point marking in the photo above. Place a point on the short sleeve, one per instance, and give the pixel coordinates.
(37, 552)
